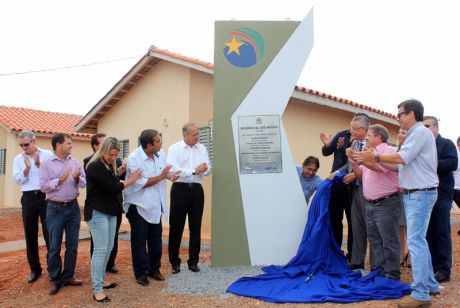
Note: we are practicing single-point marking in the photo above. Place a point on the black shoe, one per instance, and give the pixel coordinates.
(143, 281)
(157, 276)
(440, 277)
(111, 286)
(176, 269)
(34, 276)
(356, 266)
(434, 293)
(194, 268)
(106, 299)
(112, 269)
(54, 288)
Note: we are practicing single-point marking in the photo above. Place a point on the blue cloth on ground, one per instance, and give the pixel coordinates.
(319, 271)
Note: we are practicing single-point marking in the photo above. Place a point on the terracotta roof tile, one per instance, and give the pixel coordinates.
(39, 121)
(344, 101)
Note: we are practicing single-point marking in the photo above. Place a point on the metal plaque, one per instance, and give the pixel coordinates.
(260, 144)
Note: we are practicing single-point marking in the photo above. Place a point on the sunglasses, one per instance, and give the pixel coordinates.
(24, 145)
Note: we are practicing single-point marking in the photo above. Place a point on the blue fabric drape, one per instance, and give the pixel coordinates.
(318, 272)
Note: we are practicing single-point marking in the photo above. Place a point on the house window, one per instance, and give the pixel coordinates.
(2, 161)
(124, 149)
(206, 140)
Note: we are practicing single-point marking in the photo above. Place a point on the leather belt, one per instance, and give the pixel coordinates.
(187, 184)
(383, 198)
(64, 203)
(409, 191)
(33, 192)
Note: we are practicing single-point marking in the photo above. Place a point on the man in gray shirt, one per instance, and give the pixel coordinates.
(417, 161)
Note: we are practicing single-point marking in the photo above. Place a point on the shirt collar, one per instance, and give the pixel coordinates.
(184, 145)
(54, 157)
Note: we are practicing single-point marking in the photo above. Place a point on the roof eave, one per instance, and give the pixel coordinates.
(115, 89)
(353, 108)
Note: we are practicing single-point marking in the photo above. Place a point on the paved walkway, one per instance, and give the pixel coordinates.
(21, 244)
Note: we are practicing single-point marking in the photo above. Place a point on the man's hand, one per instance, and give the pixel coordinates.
(340, 142)
(76, 175)
(173, 176)
(350, 153)
(165, 171)
(350, 177)
(27, 162)
(367, 154)
(65, 175)
(325, 139)
(36, 158)
(201, 168)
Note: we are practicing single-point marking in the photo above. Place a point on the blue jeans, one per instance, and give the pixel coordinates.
(102, 228)
(60, 218)
(417, 208)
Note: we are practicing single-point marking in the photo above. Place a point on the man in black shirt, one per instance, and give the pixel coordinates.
(340, 193)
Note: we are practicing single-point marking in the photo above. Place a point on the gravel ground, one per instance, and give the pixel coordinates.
(188, 282)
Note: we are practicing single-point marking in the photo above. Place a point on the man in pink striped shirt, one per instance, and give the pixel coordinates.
(383, 204)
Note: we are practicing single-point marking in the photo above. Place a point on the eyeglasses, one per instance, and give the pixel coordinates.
(401, 113)
(24, 145)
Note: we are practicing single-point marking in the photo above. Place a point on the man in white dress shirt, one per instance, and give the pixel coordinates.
(25, 173)
(191, 160)
(144, 203)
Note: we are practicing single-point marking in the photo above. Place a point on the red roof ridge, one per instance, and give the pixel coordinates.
(179, 56)
(344, 101)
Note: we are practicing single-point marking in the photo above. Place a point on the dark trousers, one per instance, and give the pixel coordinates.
(457, 197)
(382, 223)
(113, 253)
(358, 214)
(146, 246)
(186, 200)
(34, 207)
(439, 238)
(341, 202)
(62, 218)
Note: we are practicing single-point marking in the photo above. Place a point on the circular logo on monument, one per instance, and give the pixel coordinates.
(244, 48)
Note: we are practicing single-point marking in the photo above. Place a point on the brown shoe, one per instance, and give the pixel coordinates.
(54, 288)
(410, 302)
(73, 282)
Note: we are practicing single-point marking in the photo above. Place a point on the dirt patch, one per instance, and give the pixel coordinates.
(16, 292)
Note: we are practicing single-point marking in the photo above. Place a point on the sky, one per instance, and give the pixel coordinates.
(377, 53)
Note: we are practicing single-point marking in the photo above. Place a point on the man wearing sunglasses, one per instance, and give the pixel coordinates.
(26, 173)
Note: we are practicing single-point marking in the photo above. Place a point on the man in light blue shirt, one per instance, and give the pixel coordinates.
(144, 204)
(308, 177)
(418, 178)
(26, 173)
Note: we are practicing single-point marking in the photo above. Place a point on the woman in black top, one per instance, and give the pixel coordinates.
(103, 202)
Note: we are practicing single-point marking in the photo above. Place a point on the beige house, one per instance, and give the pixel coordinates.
(164, 90)
(45, 124)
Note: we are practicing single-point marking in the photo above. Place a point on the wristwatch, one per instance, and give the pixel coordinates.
(377, 157)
